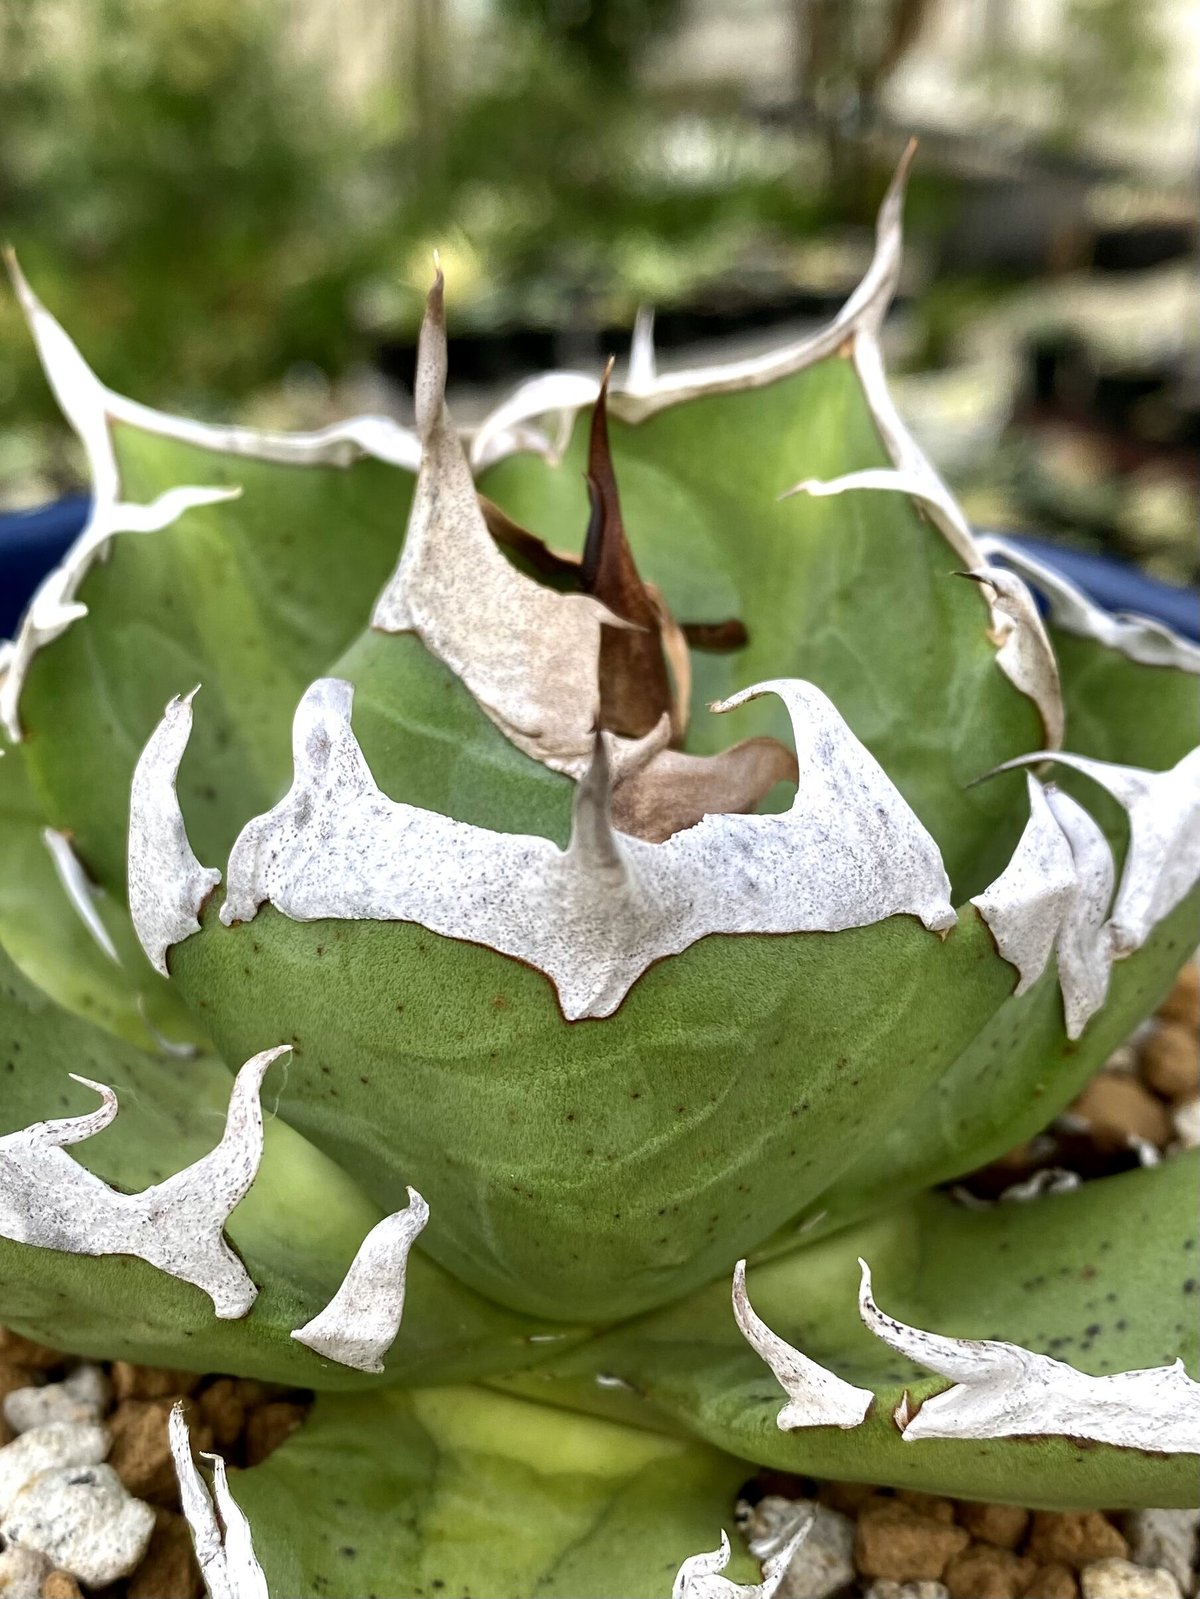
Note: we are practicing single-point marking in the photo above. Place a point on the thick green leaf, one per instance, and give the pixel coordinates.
(594, 1169)
(297, 1229)
(47, 939)
(251, 598)
(460, 1491)
(854, 593)
(1119, 710)
(1010, 1081)
(1104, 1278)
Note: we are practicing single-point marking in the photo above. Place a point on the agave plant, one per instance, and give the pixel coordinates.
(560, 1071)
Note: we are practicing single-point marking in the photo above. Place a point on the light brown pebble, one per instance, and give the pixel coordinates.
(1055, 1581)
(270, 1425)
(1182, 1004)
(141, 1451)
(1170, 1062)
(151, 1382)
(225, 1404)
(926, 1504)
(168, 1569)
(1115, 1106)
(985, 1572)
(18, 1351)
(893, 1540)
(1002, 1525)
(60, 1585)
(1074, 1538)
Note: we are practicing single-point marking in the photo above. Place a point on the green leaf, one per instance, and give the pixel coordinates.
(47, 939)
(460, 1491)
(853, 592)
(1010, 1082)
(593, 1169)
(297, 1230)
(250, 598)
(1119, 710)
(1103, 1278)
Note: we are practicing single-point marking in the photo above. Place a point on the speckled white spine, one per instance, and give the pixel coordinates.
(699, 1577)
(1003, 1391)
(49, 1200)
(848, 853)
(816, 1397)
(167, 884)
(360, 1323)
(220, 1533)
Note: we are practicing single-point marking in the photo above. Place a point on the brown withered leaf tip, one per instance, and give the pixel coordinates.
(635, 688)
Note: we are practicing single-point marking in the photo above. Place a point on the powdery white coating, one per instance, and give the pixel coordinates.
(360, 1323)
(1003, 1391)
(80, 1397)
(91, 408)
(1055, 894)
(84, 1519)
(1136, 637)
(78, 889)
(1084, 949)
(699, 1577)
(1162, 864)
(49, 1200)
(848, 853)
(167, 884)
(528, 654)
(816, 1397)
(1026, 905)
(42, 1448)
(224, 1548)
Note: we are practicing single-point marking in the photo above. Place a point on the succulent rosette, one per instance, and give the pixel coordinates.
(559, 1078)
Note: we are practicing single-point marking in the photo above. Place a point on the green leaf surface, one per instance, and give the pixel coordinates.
(593, 1169)
(1011, 1081)
(297, 1230)
(46, 937)
(1104, 1278)
(854, 593)
(457, 1491)
(250, 598)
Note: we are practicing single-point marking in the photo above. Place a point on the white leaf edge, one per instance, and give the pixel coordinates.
(848, 853)
(699, 1577)
(1138, 638)
(1162, 863)
(1054, 896)
(79, 889)
(167, 885)
(220, 1531)
(48, 1200)
(1001, 1390)
(359, 1324)
(1024, 653)
(817, 1397)
(91, 407)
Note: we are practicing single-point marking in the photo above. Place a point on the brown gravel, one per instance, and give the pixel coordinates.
(1115, 1105)
(1075, 1538)
(1002, 1525)
(60, 1585)
(141, 1450)
(168, 1569)
(151, 1382)
(1182, 1004)
(271, 1425)
(1052, 1582)
(985, 1572)
(1169, 1062)
(18, 1351)
(893, 1540)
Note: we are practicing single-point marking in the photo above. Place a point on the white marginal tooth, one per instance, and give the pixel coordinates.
(50, 1201)
(220, 1531)
(848, 853)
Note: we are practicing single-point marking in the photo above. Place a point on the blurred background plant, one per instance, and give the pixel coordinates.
(232, 205)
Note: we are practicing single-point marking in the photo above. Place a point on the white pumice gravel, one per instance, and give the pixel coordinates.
(22, 1571)
(83, 1518)
(1167, 1538)
(1121, 1579)
(824, 1563)
(1186, 1119)
(43, 1449)
(83, 1396)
